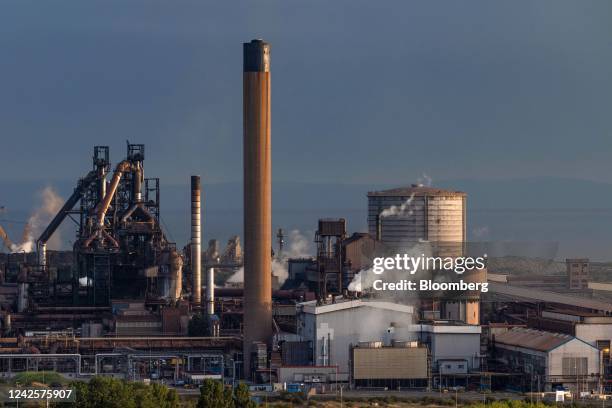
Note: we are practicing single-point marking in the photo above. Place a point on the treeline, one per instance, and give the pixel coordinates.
(108, 392)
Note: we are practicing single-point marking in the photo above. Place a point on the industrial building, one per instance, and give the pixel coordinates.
(548, 359)
(578, 273)
(333, 327)
(451, 341)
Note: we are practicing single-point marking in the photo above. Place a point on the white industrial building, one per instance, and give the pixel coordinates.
(549, 359)
(594, 328)
(333, 328)
(451, 341)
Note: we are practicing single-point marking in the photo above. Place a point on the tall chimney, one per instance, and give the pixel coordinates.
(210, 291)
(196, 240)
(257, 197)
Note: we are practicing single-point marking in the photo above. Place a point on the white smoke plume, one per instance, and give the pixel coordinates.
(298, 246)
(38, 221)
(481, 232)
(237, 277)
(365, 278)
(425, 180)
(397, 210)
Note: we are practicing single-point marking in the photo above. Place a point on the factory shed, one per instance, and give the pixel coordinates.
(549, 359)
(333, 327)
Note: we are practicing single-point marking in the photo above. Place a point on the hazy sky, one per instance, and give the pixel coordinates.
(363, 91)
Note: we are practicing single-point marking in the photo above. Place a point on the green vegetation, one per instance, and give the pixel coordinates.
(214, 395)
(42, 377)
(107, 392)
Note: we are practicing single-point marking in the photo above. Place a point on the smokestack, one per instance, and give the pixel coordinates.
(210, 291)
(196, 240)
(257, 197)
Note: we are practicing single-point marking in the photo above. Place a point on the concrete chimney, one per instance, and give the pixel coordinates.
(196, 240)
(257, 197)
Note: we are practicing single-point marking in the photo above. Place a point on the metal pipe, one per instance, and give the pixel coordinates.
(196, 240)
(42, 254)
(137, 178)
(257, 197)
(63, 212)
(121, 167)
(210, 291)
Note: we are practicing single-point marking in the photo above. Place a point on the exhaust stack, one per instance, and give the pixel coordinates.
(196, 240)
(210, 291)
(257, 197)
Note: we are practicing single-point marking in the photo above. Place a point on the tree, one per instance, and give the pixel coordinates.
(102, 392)
(198, 325)
(106, 392)
(242, 397)
(213, 395)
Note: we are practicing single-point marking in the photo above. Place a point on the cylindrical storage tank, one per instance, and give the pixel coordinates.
(176, 275)
(404, 217)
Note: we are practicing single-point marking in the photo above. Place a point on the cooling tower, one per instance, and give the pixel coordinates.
(257, 197)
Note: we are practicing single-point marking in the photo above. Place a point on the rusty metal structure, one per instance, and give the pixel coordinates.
(257, 197)
(120, 249)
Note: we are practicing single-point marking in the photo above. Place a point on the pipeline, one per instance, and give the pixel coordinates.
(119, 170)
(41, 243)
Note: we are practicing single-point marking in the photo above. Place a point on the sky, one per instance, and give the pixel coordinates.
(362, 91)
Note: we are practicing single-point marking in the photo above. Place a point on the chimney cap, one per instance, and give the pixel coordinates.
(256, 56)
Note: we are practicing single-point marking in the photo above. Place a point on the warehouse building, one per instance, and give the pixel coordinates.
(333, 327)
(549, 360)
(451, 341)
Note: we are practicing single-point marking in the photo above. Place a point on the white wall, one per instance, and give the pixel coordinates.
(593, 332)
(342, 328)
(573, 348)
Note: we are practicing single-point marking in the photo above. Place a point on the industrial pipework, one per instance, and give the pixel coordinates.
(196, 240)
(257, 197)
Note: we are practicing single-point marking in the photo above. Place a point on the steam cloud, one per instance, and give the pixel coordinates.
(51, 204)
(298, 246)
(397, 210)
(365, 278)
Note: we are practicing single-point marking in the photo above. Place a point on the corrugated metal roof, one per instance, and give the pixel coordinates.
(532, 339)
(539, 295)
(417, 190)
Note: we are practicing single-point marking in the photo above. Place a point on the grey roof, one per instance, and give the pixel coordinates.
(539, 295)
(532, 339)
(417, 190)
